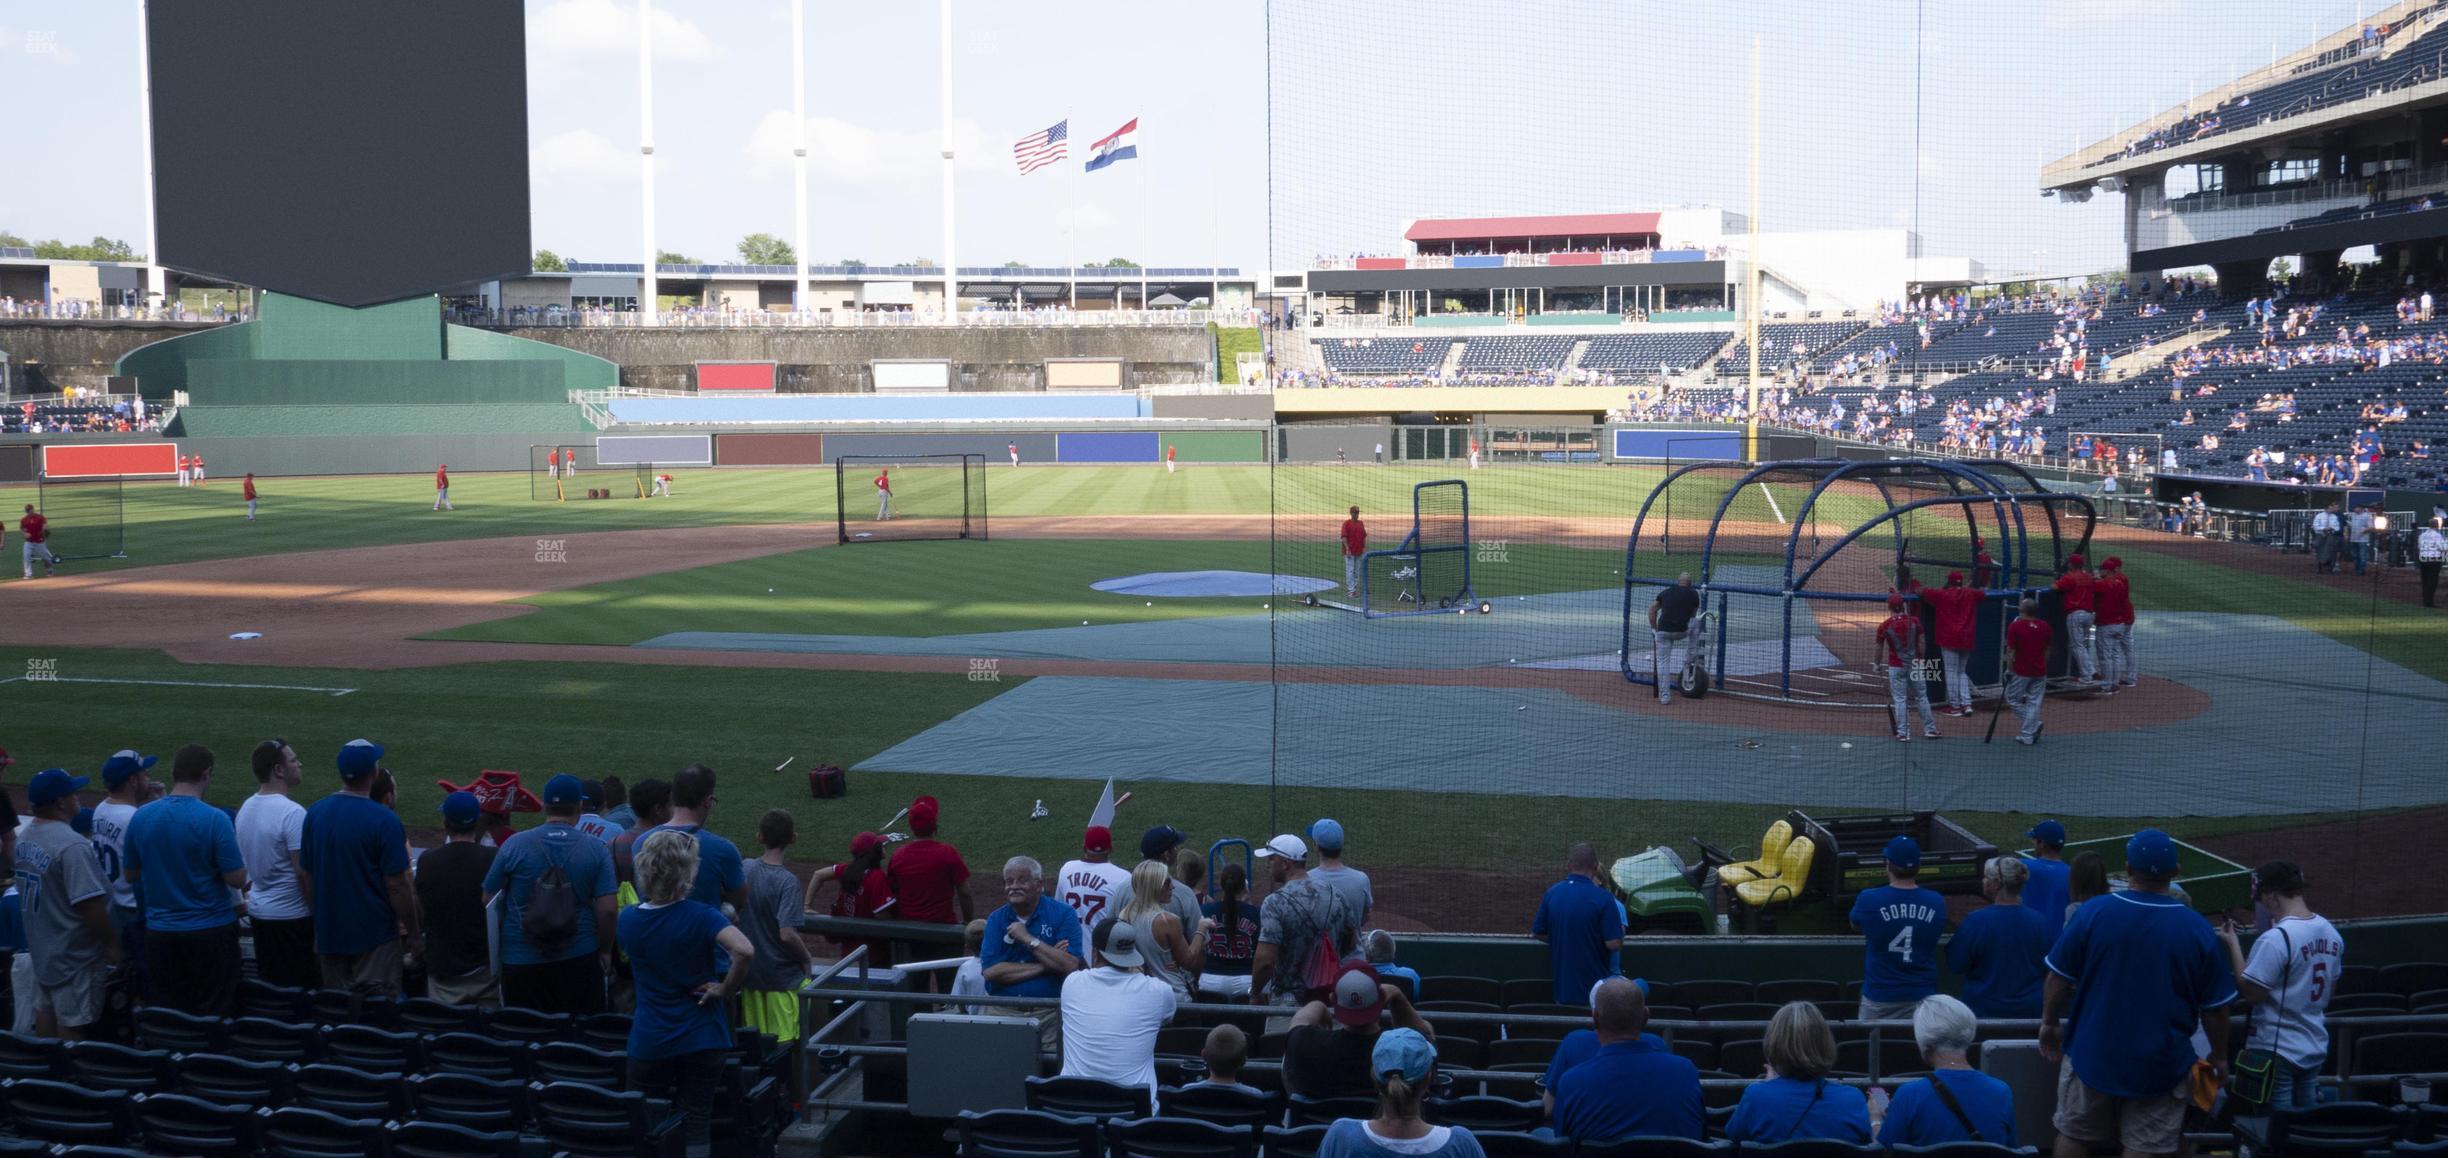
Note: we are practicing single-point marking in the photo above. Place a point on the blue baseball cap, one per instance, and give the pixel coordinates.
(1327, 835)
(563, 789)
(2151, 853)
(1405, 1052)
(1904, 852)
(2048, 832)
(460, 809)
(50, 784)
(122, 764)
(82, 822)
(1159, 842)
(358, 758)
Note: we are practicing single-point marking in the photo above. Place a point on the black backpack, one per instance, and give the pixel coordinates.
(551, 917)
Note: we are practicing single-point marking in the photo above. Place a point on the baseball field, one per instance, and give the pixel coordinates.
(727, 624)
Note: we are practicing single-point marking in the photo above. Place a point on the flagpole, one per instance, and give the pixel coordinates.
(1071, 262)
(646, 206)
(799, 154)
(951, 267)
(1143, 220)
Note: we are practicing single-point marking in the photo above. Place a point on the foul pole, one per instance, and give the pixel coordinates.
(951, 265)
(647, 289)
(799, 155)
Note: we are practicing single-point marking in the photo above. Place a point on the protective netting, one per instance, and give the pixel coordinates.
(924, 496)
(87, 518)
(567, 471)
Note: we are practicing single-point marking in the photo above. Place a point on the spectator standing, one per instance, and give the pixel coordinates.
(2027, 644)
(554, 884)
(927, 876)
(1299, 916)
(2112, 599)
(70, 937)
(970, 979)
(617, 811)
(1580, 924)
(125, 779)
(770, 1004)
(1091, 884)
(356, 858)
(1181, 894)
(1331, 872)
(2048, 889)
(2133, 975)
(1232, 941)
(1796, 1100)
(2293, 971)
(2359, 537)
(1955, 1103)
(650, 808)
(1999, 948)
(1030, 945)
(720, 871)
(1171, 952)
(182, 856)
(1900, 923)
(2328, 532)
(1326, 1050)
(680, 1034)
(1400, 1062)
(450, 892)
(2086, 881)
(2430, 549)
(271, 831)
(1633, 1086)
(1111, 1012)
(591, 820)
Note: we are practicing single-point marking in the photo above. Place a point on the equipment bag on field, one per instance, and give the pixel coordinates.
(828, 782)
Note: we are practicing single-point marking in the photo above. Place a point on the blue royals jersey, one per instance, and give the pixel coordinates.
(1900, 929)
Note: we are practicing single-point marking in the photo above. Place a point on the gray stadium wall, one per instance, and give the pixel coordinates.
(47, 357)
(839, 361)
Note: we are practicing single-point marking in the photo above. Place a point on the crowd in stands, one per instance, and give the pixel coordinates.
(622, 902)
(727, 316)
(77, 415)
(2376, 59)
(87, 309)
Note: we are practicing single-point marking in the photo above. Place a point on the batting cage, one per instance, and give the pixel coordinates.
(898, 498)
(1794, 564)
(87, 516)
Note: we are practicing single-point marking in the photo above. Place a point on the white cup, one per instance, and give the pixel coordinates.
(2413, 1091)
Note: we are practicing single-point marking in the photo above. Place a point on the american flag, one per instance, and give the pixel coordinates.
(1038, 150)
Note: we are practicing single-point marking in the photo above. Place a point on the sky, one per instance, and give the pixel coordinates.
(1270, 129)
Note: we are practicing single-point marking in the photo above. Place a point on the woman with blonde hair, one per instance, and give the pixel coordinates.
(1178, 951)
(1795, 1099)
(1403, 1065)
(681, 1032)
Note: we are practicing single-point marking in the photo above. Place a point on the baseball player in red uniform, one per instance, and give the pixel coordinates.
(1899, 648)
(883, 485)
(663, 485)
(2112, 598)
(1954, 608)
(2027, 644)
(186, 470)
(552, 463)
(37, 532)
(1012, 449)
(442, 488)
(1474, 453)
(199, 470)
(1984, 568)
(1170, 451)
(246, 486)
(2076, 588)
(1355, 544)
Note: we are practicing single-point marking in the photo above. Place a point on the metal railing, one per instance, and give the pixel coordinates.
(549, 317)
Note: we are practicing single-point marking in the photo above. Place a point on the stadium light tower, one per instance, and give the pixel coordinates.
(646, 284)
(799, 302)
(951, 267)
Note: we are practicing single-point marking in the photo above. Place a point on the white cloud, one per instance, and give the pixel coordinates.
(606, 26)
(580, 155)
(848, 154)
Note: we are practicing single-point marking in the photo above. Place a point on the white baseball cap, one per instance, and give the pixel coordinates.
(1287, 846)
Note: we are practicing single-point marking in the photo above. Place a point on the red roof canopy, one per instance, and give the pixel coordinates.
(1567, 225)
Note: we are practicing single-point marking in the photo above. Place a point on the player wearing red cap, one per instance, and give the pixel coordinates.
(866, 892)
(2027, 644)
(2077, 591)
(1355, 545)
(37, 532)
(883, 485)
(1093, 885)
(929, 875)
(248, 485)
(1899, 650)
(1984, 568)
(1954, 609)
(2113, 598)
(442, 488)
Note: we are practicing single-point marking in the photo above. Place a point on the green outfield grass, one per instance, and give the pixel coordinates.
(449, 723)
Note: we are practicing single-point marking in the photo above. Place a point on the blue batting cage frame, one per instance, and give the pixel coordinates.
(1411, 549)
(2019, 509)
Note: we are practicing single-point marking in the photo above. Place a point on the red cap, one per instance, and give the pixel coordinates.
(2074, 561)
(1955, 578)
(5, 759)
(1097, 839)
(864, 843)
(1895, 603)
(2112, 563)
(923, 812)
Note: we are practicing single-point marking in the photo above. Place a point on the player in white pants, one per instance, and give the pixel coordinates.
(2027, 644)
(1670, 617)
(1954, 610)
(1355, 547)
(1899, 651)
(2080, 590)
(883, 485)
(2112, 600)
(662, 487)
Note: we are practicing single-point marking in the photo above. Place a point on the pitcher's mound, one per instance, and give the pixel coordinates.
(1210, 584)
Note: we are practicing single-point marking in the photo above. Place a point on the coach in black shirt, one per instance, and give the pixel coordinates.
(450, 891)
(1669, 625)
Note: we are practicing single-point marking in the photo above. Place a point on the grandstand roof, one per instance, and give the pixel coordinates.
(1565, 225)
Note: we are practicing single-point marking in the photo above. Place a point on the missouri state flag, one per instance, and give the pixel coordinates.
(1121, 146)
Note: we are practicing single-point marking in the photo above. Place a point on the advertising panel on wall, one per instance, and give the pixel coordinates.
(655, 449)
(102, 460)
